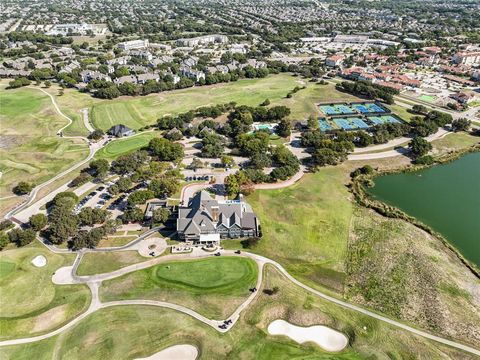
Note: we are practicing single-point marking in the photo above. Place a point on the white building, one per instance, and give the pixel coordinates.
(133, 44)
(202, 40)
(467, 58)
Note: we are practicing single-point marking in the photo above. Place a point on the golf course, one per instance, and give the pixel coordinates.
(213, 287)
(31, 150)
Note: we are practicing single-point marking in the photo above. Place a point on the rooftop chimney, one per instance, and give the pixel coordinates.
(214, 213)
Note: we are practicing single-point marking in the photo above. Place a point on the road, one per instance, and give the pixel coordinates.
(361, 153)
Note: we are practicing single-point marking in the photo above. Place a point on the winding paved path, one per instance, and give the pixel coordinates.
(67, 275)
(93, 148)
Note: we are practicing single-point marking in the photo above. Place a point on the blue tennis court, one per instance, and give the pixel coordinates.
(359, 123)
(376, 120)
(340, 109)
(368, 108)
(324, 125)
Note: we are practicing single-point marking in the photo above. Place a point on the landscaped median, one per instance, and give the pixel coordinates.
(214, 286)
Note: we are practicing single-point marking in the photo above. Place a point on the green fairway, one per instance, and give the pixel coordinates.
(130, 332)
(101, 262)
(136, 112)
(305, 102)
(305, 226)
(213, 286)
(31, 303)
(123, 146)
(31, 150)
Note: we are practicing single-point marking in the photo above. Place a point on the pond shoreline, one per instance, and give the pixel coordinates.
(363, 198)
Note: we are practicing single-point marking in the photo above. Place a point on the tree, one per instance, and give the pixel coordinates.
(89, 216)
(266, 102)
(284, 128)
(132, 215)
(140, 197)
(38, 221)
(23, 188)
(99, 168)
(232, 187)
(461, 124)
(196, 164)
(312, 123)
(81, 179)
(326, 156)
(419, 109)
(260, 160)
(160, 216)
(124, 184)
(21, 237)
(47, 83)
(227, 161)
(363, 139)
(164, 186)
(4, 240)
(96, 134)
(62, 195)
(166, 150)
(419, 146)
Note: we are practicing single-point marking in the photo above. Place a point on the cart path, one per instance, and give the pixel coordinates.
(94, 282)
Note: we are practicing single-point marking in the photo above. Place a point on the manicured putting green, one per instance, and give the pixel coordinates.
(206, 275)
(124, 146)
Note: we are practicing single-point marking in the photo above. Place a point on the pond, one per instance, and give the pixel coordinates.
(444, 197)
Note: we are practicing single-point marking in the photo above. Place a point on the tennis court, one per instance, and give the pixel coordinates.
(339, 109)
(324, 125)
(350, 123)
(376, 120)
(368, 108)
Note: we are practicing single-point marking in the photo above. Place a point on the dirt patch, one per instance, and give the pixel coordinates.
(50, 318)
(10, 141)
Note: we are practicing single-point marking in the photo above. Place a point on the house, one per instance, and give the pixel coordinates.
(464, 97)
(125, 79)
(467, 58)
(89, 75)
(120, 131)
(206, 220)
(143, 78)
(334, 60)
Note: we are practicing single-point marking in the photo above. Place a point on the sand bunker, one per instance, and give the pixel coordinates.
(176, 352)
(39, 261)
(326, 338)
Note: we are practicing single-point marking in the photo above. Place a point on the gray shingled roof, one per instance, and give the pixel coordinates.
(197, 217)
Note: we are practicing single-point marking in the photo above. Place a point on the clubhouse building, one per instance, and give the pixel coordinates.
(206, 220)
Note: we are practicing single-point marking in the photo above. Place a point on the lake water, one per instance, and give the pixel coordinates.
(445, 197)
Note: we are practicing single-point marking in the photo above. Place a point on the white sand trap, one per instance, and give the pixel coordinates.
(39, 261)
(326, 338)
(176, 352)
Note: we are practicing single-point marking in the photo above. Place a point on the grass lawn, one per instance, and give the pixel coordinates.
(402, 112)
(213, 286)
(98, 263)
(305, 226)
(31, 303)
(71, 103)
(136, 112)
(123, 146)
(305, 102)
(455, 141)
(31, 150)
(129, 332)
